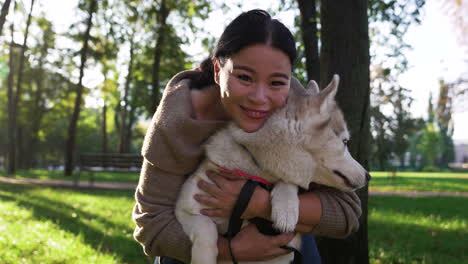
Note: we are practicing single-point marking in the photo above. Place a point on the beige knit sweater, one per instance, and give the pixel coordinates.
(173, 148)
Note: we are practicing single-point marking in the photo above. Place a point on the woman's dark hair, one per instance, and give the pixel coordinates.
(249, 28)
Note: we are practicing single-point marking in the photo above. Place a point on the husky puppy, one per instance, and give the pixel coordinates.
(303, 142)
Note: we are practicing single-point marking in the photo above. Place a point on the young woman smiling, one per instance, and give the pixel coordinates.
(245, 81)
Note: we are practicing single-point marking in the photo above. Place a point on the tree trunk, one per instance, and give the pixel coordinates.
(104, 128)
(70, 147)
(11, 169)
(123, 148)
(16, 95)
(38, 109)
(131, 122)
(161, 18)
(3, 14)
(310, 38)
(345, 51)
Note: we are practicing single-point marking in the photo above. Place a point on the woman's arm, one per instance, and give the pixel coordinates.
(157, 228)
(323, 211)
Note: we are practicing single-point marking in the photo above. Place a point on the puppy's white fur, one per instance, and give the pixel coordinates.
(302, 142)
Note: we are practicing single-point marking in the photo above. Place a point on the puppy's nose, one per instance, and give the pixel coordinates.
(368, 177)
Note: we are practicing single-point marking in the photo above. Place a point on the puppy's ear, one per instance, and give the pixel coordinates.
(327, 95)
(313, 87)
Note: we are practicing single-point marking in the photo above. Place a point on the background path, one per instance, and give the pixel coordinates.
(132, 186)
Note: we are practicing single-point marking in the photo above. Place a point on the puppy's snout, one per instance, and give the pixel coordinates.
(368, 177)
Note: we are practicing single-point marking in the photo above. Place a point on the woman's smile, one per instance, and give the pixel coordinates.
(255, 114)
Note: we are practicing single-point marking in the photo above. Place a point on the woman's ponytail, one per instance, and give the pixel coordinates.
(206, 76)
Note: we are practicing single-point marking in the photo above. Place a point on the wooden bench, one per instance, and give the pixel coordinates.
(113, 162)
(458, 166)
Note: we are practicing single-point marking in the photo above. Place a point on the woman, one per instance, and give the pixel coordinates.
(247, 79)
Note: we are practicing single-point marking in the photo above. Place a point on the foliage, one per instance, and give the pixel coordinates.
(391, 120)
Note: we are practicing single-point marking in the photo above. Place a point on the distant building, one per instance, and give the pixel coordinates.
(461, 151)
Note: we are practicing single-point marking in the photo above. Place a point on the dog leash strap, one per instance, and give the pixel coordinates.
(241, 173)
(235, 221)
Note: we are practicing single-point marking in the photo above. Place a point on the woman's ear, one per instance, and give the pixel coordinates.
(216, 70)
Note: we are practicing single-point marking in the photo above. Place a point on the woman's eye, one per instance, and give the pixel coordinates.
(244, 77)
(345, 142)
(278, 83)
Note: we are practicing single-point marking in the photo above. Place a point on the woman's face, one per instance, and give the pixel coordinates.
(253, 84)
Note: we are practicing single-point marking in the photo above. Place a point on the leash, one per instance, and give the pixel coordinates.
(235, 221)
(243, 174)
(264, 226)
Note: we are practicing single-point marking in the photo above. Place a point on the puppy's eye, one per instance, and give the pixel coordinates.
(345, 142)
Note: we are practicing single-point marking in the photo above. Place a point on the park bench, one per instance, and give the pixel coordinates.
(112, 162)
(458, 166)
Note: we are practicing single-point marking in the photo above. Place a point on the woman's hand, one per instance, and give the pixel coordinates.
(250, 245)
(222, 196)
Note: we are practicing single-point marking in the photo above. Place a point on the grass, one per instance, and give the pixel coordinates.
(42, 225)
(44, 174)
(418, 230)
(419, 181)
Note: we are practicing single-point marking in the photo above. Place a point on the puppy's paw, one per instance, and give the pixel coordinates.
(285, 207)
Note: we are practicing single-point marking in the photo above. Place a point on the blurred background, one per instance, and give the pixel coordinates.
(81, 79)
(73, 85)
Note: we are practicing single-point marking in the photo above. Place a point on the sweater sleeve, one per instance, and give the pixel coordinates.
(340, 213)
(172, 149)
(157, 228)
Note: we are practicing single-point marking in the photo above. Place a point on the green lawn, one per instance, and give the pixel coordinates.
(42, 225)
(58, 175)
(418, 230)
(419, 181)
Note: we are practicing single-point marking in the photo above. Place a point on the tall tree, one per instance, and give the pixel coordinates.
(445, 123)
(161, 17)
(19, 85)
(3, 14)
(309, 17)
(186, 11)
(345, 50)
(16, 98)
(39, 100)
(71, 140)
(11, 169)
(124, 146)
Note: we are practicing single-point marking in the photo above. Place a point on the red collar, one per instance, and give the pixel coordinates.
(238, 172)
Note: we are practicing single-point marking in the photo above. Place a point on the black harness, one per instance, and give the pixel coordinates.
(264, 226)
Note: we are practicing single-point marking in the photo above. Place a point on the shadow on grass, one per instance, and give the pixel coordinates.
(445, 207)
(411, 243)
(60, 213)
(427, 229)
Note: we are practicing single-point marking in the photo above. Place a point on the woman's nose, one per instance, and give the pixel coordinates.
(258, 95)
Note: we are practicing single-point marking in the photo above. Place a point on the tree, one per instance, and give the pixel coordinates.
(161, 10)
(39, 95)
(430, 145)
(3, 14)
(444, 122)
(345, 51)
(71, 140)
(15, 98)
(11, 112)
(309, 32)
